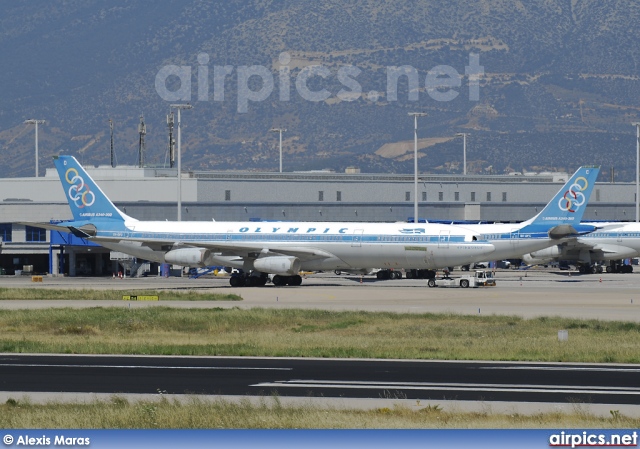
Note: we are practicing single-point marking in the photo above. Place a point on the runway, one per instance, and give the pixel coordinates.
(323, 378)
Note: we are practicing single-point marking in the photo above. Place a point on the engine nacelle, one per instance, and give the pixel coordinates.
(615, 252)
(283, 265)
(529, 260)
(188, 257)
(548, 253)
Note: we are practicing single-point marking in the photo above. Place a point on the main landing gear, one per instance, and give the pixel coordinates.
(246, 280)
(287, 280)
(619, 267)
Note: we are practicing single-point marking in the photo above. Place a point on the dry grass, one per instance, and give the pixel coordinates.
(315, 333)
(269, 413)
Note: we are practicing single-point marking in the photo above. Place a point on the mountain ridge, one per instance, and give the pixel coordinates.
(559, 89)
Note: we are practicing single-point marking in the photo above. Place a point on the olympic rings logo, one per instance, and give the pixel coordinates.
(574, 198)
(79, 192)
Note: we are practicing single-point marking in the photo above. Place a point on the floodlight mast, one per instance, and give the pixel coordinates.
(415, 162)
(180, 107)
(637, 125)
(35, 122)
(280, 131)
(464, 151)
(142, 131)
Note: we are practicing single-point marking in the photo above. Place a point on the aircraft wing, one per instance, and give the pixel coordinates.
(223, 248)
(578, 248)
(270, 249)
(47, 226)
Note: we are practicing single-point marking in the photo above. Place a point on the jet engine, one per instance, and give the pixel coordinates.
(543, 256)
(188, 257)
(283, 265)
(547, 253)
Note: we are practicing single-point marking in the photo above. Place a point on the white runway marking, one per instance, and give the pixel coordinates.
(450, 387)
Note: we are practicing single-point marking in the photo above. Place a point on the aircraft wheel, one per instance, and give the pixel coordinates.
(593, 269)
(295, 280)
(409, 274)
(464, 283)
(235, 281)
(251, 281)
(609, 269)
(337, 272)
(278, 280)
(431, 282)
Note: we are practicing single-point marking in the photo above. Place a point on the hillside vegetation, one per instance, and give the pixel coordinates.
(559, 88)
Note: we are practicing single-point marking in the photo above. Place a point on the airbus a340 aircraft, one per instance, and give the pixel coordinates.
(280, 248)
(611, 242)
(559, 220)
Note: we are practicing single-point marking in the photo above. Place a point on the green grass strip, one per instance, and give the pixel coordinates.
(101, 295)
(315, 333)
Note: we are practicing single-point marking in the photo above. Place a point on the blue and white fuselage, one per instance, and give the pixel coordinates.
(281, 248)
(318, 246)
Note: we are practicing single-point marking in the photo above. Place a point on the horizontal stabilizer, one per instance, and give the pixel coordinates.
(83, 232)
(566, 230)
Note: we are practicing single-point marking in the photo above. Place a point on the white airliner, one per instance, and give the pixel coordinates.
(610, 242)
(259, 249)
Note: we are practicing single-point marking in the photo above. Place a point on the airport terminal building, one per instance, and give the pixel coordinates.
(151, 194)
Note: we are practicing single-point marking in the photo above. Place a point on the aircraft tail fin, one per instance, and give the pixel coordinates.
(569, 204)
(86, 200)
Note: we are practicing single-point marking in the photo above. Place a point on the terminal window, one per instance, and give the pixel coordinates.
(338, 196)
(440, 196)
(473, 196)
(227, 195)
(407, 196)
(504, 197)
(320, 195)
(488, 196)
(424, 196)
(35, 234)
(5, 232)
(456, 196)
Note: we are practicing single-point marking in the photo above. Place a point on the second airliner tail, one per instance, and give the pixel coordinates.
(567, 207)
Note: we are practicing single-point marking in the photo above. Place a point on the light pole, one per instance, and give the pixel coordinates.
(637, 125)
(280, 131)
(415, 162)
(464, 151)
(180, 107)
(35, 122)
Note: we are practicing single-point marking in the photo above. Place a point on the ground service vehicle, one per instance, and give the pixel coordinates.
(479, 279)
